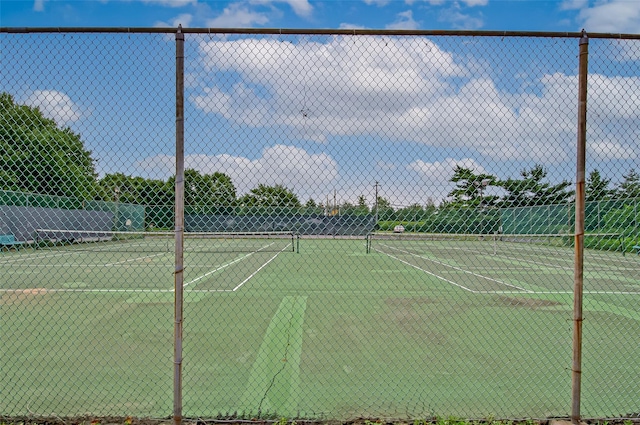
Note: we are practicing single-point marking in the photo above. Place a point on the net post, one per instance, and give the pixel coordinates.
(576, 369)
(179, 231)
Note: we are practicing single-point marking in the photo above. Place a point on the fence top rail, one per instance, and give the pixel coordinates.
(318, 31)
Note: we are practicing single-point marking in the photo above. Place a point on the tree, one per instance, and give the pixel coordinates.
(383, 209)
(136, 190)
(630, 186)
(347, 208)
(206, 192)
(470, 187)
(39, 157)
(270, 196)
(413, 212)
(596, 188)
(363, 208)
(531, 190)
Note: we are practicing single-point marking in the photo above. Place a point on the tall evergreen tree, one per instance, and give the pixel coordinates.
(530, 189)
(630, 186)
(596, 188)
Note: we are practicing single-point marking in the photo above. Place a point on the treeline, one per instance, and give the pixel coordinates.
(39, 157)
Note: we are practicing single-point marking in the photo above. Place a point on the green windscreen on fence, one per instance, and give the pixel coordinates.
(125, 216)
(543, 219)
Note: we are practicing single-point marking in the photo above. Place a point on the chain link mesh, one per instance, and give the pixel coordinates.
(375, 226)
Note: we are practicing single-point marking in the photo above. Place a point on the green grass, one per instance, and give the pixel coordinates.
(362, 334)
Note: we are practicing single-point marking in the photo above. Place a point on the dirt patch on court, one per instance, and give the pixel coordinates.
(410, 314)
(531, 303)
(408, 302)
(19, 295)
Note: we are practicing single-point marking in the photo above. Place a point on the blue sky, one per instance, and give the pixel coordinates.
(324, 115)
(617, 16)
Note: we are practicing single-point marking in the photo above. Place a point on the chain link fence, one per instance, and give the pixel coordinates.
(375, 225)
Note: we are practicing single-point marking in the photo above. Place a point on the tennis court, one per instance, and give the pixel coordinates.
(408, 312)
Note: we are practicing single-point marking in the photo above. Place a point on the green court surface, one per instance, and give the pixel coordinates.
(402, 328)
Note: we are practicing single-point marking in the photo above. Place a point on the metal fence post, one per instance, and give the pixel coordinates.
(576, 370)
(179, 229)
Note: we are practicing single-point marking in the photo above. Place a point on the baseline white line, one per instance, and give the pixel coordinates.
(134, 259)
(152, 291)
(261, 267)
(89, 265)
(30, 257)
(48, 290)
(460, 269)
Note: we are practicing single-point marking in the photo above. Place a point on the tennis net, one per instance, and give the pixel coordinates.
(599, 241)
(163, 241)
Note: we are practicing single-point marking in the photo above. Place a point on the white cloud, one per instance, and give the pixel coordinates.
(436, 178)
(237, 15)
(460, 20)
(377, 2)
(385, 166)
(469, 3)
(319, 89)
(404, 21)
(300, 7)
(55, 105)
(614, 16)
(403, 90)
(38, 5)
(172, 3)
(183, 19)
(573, 4)
(473, 3)
(613, 97)
(348, 26)
(611, 149)
(442, 171)
(279, 164)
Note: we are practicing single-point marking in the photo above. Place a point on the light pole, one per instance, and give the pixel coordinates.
(376, 203)
(116, 198)
(480, 186)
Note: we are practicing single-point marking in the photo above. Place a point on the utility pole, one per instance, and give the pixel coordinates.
(376, 203)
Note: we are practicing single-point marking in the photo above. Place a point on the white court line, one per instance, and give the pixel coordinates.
(135, 259)
(509, 292)
(538, 263)
(228, 264)
(261, 267)
(429, 273)
(217, 269)
(30, 257)
(460, 269)
(91, 265)
(48, 290)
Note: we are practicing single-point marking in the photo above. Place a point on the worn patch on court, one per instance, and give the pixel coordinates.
(163, 297)
(409, 315)
(19, 295)
(531, 303)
